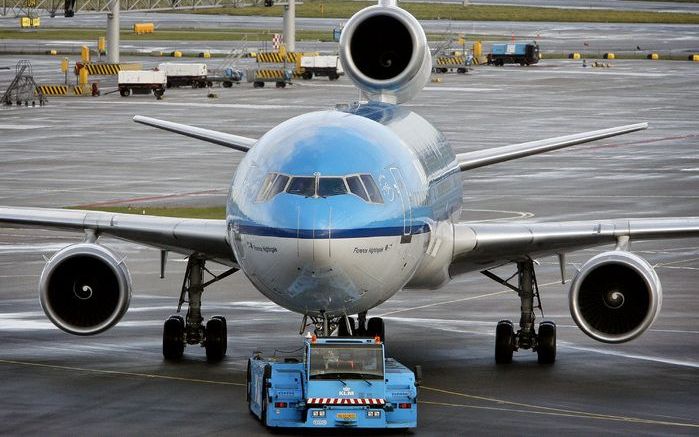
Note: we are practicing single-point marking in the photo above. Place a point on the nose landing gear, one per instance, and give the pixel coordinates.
(346, 327)
(507, 340)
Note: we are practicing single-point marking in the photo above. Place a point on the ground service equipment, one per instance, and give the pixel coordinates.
(142, 82)
(227, 77)
(338, 383)
(181, 74)
(321, 66)
(514, 53)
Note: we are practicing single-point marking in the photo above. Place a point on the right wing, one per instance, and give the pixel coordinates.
(222, 139)
(206, 238)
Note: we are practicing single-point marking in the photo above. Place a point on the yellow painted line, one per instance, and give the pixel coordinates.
(118, 373)
(546, 410)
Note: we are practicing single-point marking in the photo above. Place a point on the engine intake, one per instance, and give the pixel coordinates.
(615, 297)
(384, 51)
(85, 289)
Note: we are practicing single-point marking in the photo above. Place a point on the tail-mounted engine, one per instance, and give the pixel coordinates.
(384, 51)
(85, 289)
(615, 297)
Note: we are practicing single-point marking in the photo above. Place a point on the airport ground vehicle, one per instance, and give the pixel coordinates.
(227, 77)
(142, 82)
(181, 74)
(258, 76)
(339, 382)
(321, 66)
(514, 53)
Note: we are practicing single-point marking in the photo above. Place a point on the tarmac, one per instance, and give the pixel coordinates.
(84, 150)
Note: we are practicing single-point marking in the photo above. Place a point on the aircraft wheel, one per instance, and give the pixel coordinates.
(342, 328)
(375, 328)
(216, 341)
(546, 343)
(173, 338)
(503, 342)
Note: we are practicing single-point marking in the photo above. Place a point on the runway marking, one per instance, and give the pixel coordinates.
(118, 373)
(458, 300)
(581, 414)
(680, 363)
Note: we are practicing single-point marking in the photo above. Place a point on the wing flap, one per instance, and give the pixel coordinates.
(481, 158)
(223, 139)
(187, 236)
(482, 245)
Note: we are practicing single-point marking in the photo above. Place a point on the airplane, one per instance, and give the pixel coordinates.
(331, 213)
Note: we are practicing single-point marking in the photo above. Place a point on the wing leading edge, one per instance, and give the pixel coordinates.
(482, 245)
(188, 236)
(222, 139)
(482, 158)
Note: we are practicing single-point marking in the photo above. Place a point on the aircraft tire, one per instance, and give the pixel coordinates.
(216, 340)
(173, 338)
(546, 343)
(503, 342)
(342, 328)
(376, 328)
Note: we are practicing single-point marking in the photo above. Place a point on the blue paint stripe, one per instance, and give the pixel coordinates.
(321, 234)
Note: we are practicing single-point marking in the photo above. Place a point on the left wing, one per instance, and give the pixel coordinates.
(207, 238)
(482, 245)
(481, 158)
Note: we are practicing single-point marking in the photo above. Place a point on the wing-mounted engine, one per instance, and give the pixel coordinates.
(85, 289)
(615, 297)
(384, 51)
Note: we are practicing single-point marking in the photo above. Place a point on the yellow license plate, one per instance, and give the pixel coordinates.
(347, 416)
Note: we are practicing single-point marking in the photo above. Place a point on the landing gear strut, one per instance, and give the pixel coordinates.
(506, 339)
(179, 332)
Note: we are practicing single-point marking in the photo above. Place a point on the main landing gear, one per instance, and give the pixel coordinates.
(346, 327)
(179, 331)
(506, 339)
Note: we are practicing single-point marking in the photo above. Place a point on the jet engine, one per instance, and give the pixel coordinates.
(85, 289)
(384, 51)
(615, 297)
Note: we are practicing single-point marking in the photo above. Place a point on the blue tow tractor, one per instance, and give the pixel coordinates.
(338, 383)
(522, 54)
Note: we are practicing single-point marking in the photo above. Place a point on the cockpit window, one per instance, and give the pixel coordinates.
(357, 187)
(278, 186)
(331, 187)
(302, 186)
(371, 188)
(362, 186)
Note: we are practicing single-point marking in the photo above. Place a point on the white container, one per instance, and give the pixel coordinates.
(142, 77)
(172, 69)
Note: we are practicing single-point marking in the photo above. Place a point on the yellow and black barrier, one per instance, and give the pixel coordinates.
(694, 58)
(103, 69)
(53, 90)
(276, 58)
(575, 55)
(269, 74)
(609, 56)
(450, 60)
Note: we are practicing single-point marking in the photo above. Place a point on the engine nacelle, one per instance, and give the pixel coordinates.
(615, 297)
(384, 51)
(85, 289)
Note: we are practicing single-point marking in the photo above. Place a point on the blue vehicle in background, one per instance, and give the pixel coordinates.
(514, 53)
(337, 383)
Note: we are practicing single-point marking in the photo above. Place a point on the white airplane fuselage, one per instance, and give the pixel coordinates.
(316, 241)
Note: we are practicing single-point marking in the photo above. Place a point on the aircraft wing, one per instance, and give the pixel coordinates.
(481, 158)
(482, 245)
(207, 238)
(221, 138)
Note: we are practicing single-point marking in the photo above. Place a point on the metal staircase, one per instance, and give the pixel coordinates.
(23, 88)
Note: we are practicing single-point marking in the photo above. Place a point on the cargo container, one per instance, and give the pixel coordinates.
(321, 66)
(185, 74)
(142, 82)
